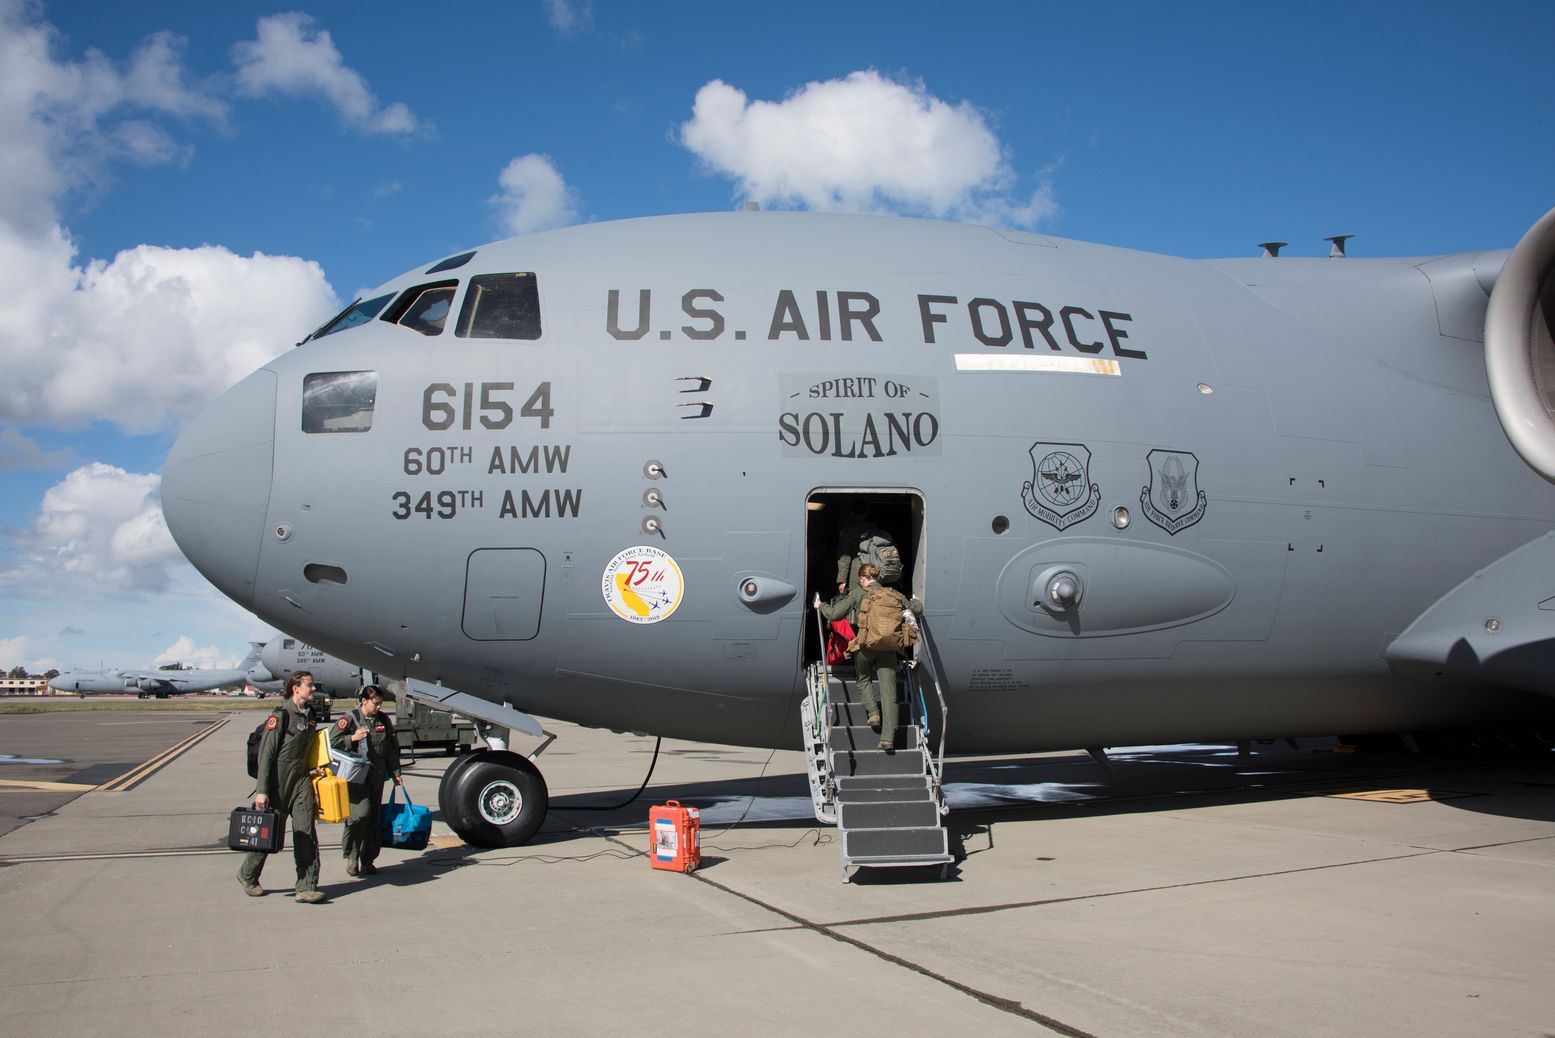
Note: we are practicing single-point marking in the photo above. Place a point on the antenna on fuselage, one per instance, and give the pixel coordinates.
(1271, 249)
(1336, 245)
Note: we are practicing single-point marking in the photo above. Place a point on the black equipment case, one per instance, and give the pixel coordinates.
(255, 830)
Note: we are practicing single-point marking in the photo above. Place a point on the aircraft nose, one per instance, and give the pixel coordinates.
(216, 485)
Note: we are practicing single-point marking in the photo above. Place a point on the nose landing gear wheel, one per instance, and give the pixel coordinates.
(494, 798)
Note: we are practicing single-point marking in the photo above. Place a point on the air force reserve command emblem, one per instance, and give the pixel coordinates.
(1172, 500)
(1060, 492)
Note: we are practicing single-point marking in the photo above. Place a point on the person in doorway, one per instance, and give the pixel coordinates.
(285, 784)
(367, 730)
(874, 666)
(855, 531)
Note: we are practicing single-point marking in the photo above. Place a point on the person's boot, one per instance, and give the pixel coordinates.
(369, 869)
(873, 721)
(309, 897)
(352, 868)
(251, 889)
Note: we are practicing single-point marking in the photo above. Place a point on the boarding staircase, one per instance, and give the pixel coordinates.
(888, 807)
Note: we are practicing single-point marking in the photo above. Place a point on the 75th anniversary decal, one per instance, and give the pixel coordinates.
(643, 584)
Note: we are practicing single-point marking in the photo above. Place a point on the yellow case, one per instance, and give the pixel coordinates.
(320, 758)
(330, 792)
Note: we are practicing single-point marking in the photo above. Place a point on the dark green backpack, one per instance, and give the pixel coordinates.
(878, 551)
(257, 736)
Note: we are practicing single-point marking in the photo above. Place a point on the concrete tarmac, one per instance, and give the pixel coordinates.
(1182, 891)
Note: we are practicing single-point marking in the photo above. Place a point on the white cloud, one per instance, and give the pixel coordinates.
(61, 121)
(13, 652)
(21, 652)
(184, 651)
(99, 529)
(291, 56)
(861, 144)
(156, 80)
(570, 16)
(534, 196)
(22, 452)
(150, 336)
(155, 332)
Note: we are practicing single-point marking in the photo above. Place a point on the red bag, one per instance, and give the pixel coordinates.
(837, 640)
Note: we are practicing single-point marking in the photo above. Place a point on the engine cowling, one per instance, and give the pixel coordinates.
(1519, 351)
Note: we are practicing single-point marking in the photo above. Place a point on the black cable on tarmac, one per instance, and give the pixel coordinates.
(657, 742)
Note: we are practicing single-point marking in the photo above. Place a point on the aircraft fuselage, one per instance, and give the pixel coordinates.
(1261, 471)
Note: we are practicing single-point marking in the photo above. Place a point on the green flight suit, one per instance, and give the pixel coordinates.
(875, 671)
(286, 777)
(363, 839)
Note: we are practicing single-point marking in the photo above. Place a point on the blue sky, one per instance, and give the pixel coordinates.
(186, 191)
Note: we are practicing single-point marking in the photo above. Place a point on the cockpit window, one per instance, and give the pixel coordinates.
(359, 312)
(500, 306)
(338, 401)
(424, 308)
(451, 263)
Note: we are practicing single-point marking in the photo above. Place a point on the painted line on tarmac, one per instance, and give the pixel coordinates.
(172, 852)
(135, 776)
(19, 786)
(1006, 1005)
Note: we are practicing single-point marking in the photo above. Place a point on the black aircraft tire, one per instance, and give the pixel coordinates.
(449, 775)
(498, 799)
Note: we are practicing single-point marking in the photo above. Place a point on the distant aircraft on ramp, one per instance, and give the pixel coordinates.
(158, 684)
(282, 655)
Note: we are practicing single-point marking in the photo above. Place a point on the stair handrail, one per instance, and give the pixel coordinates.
(818, 690)
(925, 651)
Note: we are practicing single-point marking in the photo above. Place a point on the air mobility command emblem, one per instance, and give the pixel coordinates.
(1172, 500)
(1060, 492)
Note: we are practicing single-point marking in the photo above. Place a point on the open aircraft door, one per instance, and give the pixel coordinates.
(835, 515)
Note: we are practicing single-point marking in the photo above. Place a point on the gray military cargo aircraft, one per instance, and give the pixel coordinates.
(157, 684)
(596, 473)
(282, 655)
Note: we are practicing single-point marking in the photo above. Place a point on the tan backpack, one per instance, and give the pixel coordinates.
(881, 626)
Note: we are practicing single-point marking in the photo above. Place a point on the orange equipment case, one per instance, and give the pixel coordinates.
(676, 837)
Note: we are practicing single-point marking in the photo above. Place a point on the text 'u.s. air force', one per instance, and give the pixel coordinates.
(700, 315)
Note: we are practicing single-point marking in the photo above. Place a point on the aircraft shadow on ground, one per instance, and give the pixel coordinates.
(986, 791)
(1512, 785)
(1134, 781)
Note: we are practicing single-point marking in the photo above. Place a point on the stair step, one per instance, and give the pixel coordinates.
(853, 713)
(876, 789)
(850, 694)
(863, 737)
(898, 814)
(861, 844)
(848, 763)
